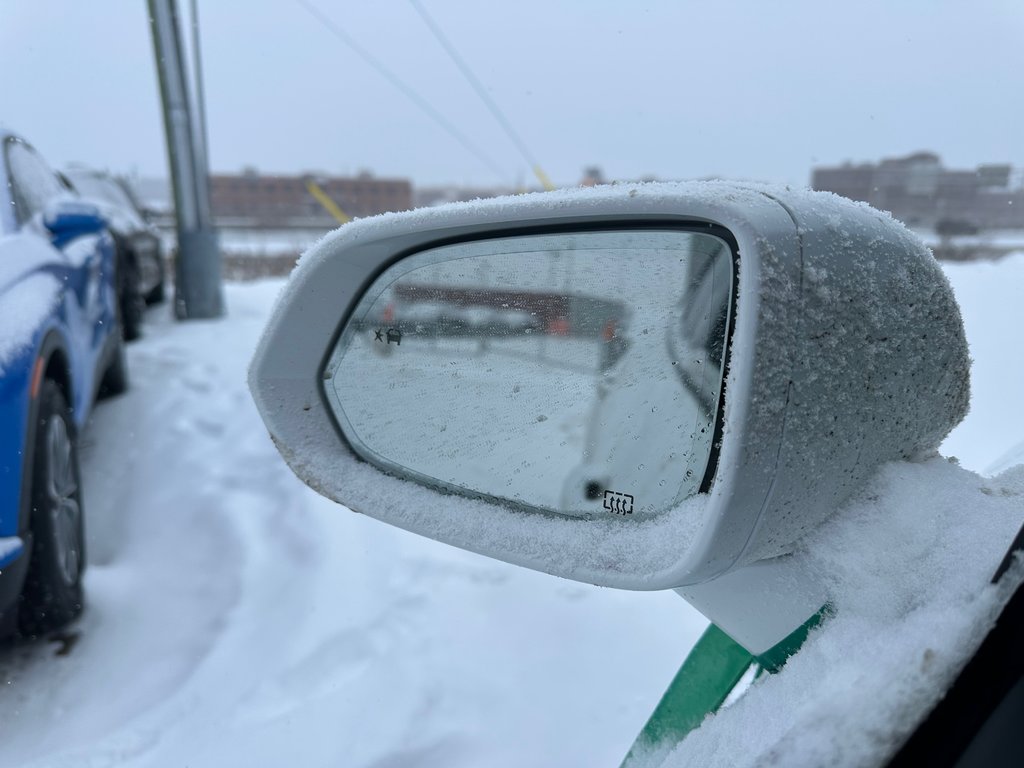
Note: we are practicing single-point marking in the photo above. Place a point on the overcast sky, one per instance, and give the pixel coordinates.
(666, 88)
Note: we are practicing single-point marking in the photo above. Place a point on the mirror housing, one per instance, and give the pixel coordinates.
(847, 351)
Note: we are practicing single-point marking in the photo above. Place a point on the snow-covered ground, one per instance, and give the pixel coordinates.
(237, 618)
(991, 296)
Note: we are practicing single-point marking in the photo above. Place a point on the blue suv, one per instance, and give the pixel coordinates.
(60, 346)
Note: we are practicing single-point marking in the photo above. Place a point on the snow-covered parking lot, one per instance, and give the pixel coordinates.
(237, 618)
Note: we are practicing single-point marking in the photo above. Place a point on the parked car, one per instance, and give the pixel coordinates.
(140, 261)
(61, 345)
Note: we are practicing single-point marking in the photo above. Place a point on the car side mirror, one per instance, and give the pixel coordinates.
(67, 219)
(639, 386)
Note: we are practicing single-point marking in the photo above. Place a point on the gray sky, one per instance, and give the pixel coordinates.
(672, 89)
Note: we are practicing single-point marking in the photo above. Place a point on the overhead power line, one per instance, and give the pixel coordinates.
(413, 96)
(472, 79)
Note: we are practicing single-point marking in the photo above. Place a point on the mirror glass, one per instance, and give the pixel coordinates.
(575, 373)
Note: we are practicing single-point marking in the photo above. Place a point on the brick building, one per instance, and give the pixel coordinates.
(259, 201)
(919, 191)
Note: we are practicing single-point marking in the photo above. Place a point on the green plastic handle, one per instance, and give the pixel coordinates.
(710, 672)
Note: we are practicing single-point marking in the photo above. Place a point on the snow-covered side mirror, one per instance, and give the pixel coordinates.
(640, 386)
(67, 218)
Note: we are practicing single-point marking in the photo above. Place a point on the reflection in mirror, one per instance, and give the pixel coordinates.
(576, 373)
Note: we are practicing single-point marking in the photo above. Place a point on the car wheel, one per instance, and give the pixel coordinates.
(115, 378)
(131, 301)
(158, 293)
(52, 595)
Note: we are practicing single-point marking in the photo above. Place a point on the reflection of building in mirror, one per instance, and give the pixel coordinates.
(530, 367)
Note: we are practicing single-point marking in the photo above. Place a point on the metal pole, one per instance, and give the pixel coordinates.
(201, 139)
(197, 271)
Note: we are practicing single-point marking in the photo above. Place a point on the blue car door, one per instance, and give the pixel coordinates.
(83, 265)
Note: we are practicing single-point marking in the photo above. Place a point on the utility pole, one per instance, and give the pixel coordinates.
(198, 292)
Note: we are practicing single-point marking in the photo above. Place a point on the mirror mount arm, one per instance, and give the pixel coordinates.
(763, 606)
(761, 615)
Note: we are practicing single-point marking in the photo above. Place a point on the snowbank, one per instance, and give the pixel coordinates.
(992, 296)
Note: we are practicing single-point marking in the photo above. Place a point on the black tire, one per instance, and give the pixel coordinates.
(158, 293)
(52, 595)
(130, 299)
(115, 378)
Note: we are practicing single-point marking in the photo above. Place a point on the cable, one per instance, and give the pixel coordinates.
(384, 72)
(482, 93)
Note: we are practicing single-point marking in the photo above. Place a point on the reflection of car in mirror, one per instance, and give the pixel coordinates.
(638, 415)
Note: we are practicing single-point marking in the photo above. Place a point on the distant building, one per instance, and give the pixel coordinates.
(255, 200)
(917, 190)
(424, 197)
(593, 176)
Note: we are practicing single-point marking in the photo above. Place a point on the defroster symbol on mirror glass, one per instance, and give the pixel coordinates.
(618, 503)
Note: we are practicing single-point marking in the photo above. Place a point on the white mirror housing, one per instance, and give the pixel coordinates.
(847, 351)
